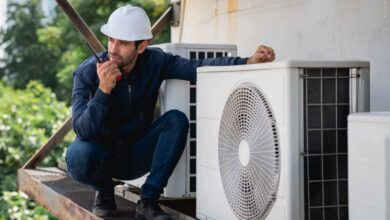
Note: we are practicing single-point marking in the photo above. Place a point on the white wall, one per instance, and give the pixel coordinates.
(299, 29)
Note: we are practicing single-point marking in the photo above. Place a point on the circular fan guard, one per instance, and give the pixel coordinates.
(248, 152)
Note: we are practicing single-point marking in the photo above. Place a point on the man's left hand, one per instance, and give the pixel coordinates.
(263, 54)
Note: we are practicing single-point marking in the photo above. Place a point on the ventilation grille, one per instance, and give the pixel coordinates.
(196, 54)
(326, 108)
(249, 153)
(157, 108)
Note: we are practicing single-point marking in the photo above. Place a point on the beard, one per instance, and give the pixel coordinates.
(119, 60)
(116, 58)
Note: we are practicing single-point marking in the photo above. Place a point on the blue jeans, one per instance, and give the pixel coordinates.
(157, 152)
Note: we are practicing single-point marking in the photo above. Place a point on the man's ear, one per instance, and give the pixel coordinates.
(142, 46)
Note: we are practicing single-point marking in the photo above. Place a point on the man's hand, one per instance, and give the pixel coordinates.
(263, 54)
(107, 73)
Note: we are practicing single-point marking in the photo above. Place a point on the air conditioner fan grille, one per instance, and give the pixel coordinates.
(249, 153)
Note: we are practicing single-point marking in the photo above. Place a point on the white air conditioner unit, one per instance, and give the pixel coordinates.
(368, 165)
(181, 95)
(272, 138)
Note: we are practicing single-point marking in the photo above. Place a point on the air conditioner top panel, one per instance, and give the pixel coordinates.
(197, 46)
(373, 117)
(288, 64)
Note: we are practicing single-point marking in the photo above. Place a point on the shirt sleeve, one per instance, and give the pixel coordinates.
(88, 112)
(176, 67)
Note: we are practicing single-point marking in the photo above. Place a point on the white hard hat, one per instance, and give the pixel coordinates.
(128, 23)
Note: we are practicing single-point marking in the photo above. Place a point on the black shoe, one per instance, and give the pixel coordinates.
(150, 210)
(104, 204)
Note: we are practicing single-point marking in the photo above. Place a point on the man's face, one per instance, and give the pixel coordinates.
(121, 52)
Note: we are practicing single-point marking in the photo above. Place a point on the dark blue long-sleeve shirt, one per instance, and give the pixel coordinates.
(106, 118)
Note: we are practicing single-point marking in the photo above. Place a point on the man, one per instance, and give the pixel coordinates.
(113, 104)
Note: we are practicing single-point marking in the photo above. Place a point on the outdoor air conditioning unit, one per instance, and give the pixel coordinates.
(181, 95)
(369, 163)
(272, 139)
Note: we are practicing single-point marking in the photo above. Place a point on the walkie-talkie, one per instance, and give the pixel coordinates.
(118, 78)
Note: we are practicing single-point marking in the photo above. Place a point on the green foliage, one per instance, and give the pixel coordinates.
(26, 58)
(95, 13)
(17, 206)
(47, 53)
(27, 119)
(50, 51)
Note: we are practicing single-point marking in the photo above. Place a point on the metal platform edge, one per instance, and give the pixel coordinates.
(57, 204)
(127, 194)
(36, 183)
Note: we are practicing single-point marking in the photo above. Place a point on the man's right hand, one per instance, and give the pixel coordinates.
(107, 73)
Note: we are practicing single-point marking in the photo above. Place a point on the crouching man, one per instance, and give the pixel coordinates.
(113, 104)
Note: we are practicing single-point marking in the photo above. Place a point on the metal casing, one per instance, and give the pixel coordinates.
(285, 86)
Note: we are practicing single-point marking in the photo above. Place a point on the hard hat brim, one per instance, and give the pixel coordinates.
(104, 29)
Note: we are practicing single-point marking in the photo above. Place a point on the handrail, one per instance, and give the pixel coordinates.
(81, 26)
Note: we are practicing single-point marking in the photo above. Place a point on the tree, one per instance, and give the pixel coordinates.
(17, 206)
(26, 58)
(95, 13)
(27, 119)
(49, 52)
